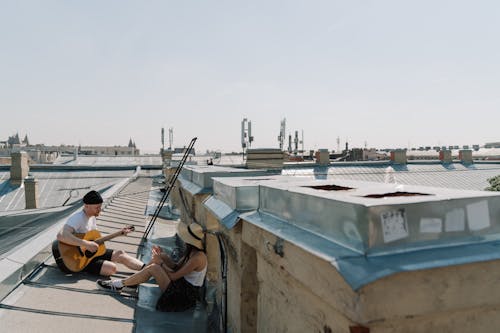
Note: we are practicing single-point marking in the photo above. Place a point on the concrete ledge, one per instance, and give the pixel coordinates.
(16, 264)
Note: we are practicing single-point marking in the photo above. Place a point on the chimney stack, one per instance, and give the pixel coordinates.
(166, 156)
(465, 155)
(445, 156)
(19, 167)
(265, 158)
(398, 156)
(323, 157)
(31, 192)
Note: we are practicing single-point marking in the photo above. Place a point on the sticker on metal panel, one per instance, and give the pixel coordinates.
(394, 225)
(478, 215)
(455, 220)
(431, 225)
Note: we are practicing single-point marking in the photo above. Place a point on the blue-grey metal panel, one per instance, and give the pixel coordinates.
(203, 175)
(225, 214)
(239, 193)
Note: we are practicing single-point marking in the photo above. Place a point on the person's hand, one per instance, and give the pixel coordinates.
(156, 258)
(90, 246)
(156, 249)
(127, 230)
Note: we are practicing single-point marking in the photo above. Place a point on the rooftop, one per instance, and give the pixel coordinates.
(48, 298)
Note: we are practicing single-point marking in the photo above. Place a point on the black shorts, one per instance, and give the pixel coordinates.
(94, 267)
(179, 296)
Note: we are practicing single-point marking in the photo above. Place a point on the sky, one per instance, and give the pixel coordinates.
(379, 73)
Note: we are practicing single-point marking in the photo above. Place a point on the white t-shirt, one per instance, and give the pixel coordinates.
(81, 222)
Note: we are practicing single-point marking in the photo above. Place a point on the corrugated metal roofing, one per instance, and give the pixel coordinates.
(101, 160)
(56, 188)
(453, 175)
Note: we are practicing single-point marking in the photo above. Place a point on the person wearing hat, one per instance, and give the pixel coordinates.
(179, 282)
(84, 221)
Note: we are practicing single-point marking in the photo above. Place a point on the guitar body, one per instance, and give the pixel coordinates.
(72, 259)
(75, 258)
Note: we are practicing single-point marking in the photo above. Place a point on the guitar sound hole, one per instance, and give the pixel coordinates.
(89, 254)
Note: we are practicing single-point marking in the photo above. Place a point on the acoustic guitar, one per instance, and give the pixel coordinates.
(72, 259)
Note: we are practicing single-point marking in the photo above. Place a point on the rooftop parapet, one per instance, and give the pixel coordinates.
(202, 176)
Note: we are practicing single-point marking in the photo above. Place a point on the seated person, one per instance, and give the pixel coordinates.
(81, 223)
(180, 282)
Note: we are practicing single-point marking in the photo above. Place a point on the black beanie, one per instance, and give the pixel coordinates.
(92, 198)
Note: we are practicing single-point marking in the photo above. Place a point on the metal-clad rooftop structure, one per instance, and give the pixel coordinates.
(366, 229)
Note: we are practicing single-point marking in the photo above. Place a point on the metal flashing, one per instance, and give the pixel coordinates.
(226, 216)
(203, 175)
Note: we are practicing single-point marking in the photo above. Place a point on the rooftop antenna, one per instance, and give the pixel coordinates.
(296, 142)
(170, 138)
(282, 136)
(302, 141)
(163, 138)
(246, 134)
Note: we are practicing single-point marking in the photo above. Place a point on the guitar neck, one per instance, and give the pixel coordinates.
(108, 237)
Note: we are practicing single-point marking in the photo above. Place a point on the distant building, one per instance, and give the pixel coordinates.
(40, 153)
(108, 150)
(492, 145)
(183, 150)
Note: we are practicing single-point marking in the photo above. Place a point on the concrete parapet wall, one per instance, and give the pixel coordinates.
(298, 292)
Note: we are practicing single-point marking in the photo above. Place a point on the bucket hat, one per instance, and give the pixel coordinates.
(191, 234)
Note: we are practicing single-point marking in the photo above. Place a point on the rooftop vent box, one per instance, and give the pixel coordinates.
(376, 217)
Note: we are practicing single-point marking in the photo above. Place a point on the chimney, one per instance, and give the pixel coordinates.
(465, 155)
(31, 192)
(398, 156)
(265, 158)
(19, 167)
(166, 155)
(445, 156)
(323, 157)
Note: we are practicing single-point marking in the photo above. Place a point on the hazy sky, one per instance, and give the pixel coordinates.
(386, 73)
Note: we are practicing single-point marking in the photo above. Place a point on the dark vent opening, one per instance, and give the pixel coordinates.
(330, 187)
(394, 194)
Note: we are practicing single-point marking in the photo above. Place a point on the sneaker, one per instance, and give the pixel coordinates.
(108, 285)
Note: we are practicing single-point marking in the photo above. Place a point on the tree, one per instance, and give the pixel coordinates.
(494, 184)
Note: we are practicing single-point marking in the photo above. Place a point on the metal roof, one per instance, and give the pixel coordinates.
(58, 188)
(449, 175)
(102, 160)
(45, 300)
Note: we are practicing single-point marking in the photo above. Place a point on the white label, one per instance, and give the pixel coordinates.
(431, 225)
(394, 225)
(478, 215)
(455, 220)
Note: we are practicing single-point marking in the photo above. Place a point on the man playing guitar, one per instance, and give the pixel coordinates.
(84, 222)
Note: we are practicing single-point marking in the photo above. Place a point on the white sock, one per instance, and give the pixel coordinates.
(117, 283)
